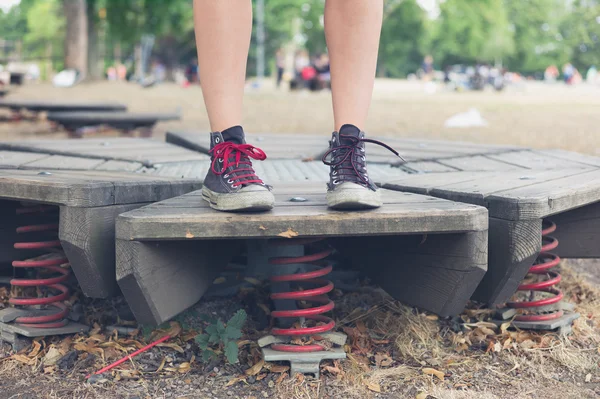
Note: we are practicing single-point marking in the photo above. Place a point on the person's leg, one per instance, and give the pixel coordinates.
(223, 30)
(352, 30)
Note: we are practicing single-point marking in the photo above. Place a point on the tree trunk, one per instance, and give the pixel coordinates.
(76, 41)
(94, 65)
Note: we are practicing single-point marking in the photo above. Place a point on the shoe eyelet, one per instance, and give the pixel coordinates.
(334, 173)
(230, 181)
(362, 149)
(363, 158)
(220, 160)
(226, 176)
(336, 182)
(217, 140)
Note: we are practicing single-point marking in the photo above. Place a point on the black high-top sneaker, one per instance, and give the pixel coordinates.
(349, 184)
(231, 183)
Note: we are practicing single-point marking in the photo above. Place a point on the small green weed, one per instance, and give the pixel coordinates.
(220, 337)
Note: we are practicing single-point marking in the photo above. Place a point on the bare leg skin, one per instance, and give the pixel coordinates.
(223, 30)
(352, 30)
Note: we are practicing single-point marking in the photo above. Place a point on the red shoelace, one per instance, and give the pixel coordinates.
(346, 167)
(229, 154)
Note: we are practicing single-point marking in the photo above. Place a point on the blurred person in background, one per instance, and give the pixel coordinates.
(280, 65)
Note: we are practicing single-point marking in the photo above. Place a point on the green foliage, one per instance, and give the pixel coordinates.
(403, 39)
(219, 336)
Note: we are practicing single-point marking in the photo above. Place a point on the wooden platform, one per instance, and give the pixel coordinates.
(424, 251)
(312, 147)
(517, 202)
(89, 202)
(58, 106)
(117, 120)
(144, 152)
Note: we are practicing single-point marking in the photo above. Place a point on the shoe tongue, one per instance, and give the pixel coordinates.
(234, 134)
(349, 130)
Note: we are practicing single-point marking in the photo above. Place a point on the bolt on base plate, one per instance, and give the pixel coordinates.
(303, 363)
(561, 324)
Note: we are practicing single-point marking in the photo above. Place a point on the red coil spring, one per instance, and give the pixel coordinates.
(50, 262)
(316, 295)
(545, 261)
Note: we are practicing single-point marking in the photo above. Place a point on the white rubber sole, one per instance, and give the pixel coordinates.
(251, 198)
(353, 196)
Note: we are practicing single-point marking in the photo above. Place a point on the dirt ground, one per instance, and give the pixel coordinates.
(393, 351)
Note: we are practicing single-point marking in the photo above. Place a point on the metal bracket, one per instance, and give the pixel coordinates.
(561, 325)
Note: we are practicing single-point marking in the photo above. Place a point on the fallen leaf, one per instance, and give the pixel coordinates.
(422, 395)
(174, 330)
(23, 359)
(184, 367)
(172, 346)
(52, 356)
(373, 386)
(244, 343)
(261, 376)
(504, 327)
(162, 364)
(383, 360)
(254, 370)
(288, 234)
(360, 326)
(219, 280)
(281, 378)
(49, 369)
(96, 329)
(188, 234)
(36, 349)
(437, 373)
(432, 317)
(235, 380)
(265, 308)
(279, 369)
(588, 378)
(261, 227)
(380, 341)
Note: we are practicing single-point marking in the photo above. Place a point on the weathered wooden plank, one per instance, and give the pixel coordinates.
(578, 232)
(450, 266)
(146, 151)
(534, 160)
(160, 280)
(89, 188)
(427, 167)
(276, 146)
(87, 236)
(124, 166)
(14, 159)
(513, 247)
(546, 198)
(571, 156)
(400, 215)
(63, 162)
(478, 163)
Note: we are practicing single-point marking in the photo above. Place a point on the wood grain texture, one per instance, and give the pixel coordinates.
(161, 280)
(578, 232)
(146, 151)
(63, 162)
(511, 195)
(15, 159)
(87, 236)
(403, 213)
(89, 188)
(435, 272)
(513, 247)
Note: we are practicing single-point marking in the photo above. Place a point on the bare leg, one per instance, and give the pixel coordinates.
(352, 29)
(223, 31)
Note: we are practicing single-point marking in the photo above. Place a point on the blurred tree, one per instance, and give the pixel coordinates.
(76, 38)
(470, 31)
(45, 33)
(403, 38)
(581, 30)
(538, 40)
